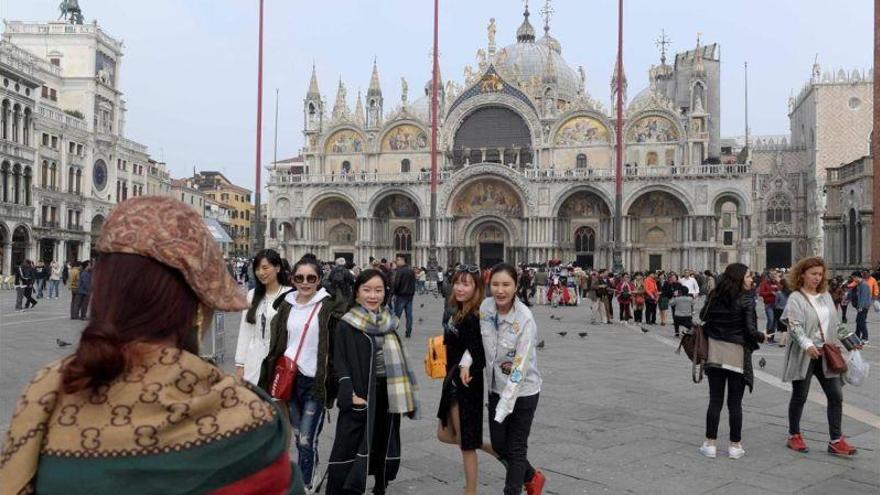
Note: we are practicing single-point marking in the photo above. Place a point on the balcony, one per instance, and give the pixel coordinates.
(355, 178)
(75, 228)
(849, 171)
(17, 151)
(17, 212)
(48, 224)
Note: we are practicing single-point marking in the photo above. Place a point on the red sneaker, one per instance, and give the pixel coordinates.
(840, 447)
(535, 486)
(795, 442)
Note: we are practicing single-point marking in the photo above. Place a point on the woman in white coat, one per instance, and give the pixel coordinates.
(253, 334)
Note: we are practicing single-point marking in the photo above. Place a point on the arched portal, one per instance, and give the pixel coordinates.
(581, 218)
(492, 134)
(336, 227)
(492, 200)
(396, 227)
(655, 223)
(21, 241)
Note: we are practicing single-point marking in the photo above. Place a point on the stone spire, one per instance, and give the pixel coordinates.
(313, 85)
(549, 75)
(525, 33)
(359, 111)
(340, 108)
(374, 89)
(699, 68)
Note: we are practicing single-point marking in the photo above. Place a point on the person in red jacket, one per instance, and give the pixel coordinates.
(767, 290)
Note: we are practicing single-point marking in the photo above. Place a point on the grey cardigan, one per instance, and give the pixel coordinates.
(803, 325)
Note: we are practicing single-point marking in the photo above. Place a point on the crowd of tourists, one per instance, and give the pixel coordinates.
(322, 336)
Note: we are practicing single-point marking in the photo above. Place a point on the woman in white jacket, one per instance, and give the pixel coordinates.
(253, 334)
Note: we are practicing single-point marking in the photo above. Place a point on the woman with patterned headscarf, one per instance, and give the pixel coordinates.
(135, 410)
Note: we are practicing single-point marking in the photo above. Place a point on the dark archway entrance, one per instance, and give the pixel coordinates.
(20, 242)
(779, 254)
(493, 134)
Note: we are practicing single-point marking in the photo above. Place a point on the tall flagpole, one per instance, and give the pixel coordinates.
(617, 260)
(435, 82)
(746, 69)
(255, 221)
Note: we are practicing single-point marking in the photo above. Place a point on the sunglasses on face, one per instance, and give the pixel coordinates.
(311, 279)
(469, 268)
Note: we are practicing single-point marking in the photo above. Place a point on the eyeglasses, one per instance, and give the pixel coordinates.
(468, 268)
(311, 279)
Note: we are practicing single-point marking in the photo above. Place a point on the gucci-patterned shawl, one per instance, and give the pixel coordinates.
(172, 423)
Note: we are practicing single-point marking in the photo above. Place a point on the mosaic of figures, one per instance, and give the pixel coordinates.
(657, 204)
(341, 234)
(344, 141)
(397, 206)
(487, 196)
(334, 208)
(583, 205)
(652, 130)
(405, 138)
(581, 130)
(490, 234)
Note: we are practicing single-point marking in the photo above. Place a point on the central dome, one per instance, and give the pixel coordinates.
(531, 58)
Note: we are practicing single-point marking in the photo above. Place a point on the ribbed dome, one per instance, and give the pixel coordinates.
(531, 58)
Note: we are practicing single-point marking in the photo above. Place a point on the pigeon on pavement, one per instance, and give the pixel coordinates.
(762, 362)
(562, 334)
(540, 345)
(62, 343)
(582, 334)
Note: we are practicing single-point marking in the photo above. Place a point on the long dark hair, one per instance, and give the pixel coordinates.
(313, 262)
(134, 299)
(274, 259)
(365, 277)
(730, 285)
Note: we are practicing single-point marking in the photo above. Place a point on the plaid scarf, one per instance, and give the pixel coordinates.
(401, 380)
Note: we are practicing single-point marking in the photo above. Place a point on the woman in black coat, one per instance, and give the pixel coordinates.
(461, 403)
(731, 325)
(376, 387)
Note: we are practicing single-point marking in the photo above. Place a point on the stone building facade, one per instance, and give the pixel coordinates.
(526, 159)
(849, 215)
(76, 163)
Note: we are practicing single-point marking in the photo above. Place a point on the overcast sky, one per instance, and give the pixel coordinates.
(189, 71)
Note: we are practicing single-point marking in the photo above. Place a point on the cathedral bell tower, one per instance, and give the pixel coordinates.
(374, 100)
(313, 111)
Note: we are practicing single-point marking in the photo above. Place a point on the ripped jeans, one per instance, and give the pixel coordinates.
(307, 420)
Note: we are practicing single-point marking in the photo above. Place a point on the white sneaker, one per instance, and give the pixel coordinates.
(735, 452)
(709, 451)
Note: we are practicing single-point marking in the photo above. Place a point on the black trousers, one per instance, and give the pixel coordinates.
(637, 313)
(381, 431)
(650, 311)
(682, 321)
(833, 388)
(510, 439)
(736, 386)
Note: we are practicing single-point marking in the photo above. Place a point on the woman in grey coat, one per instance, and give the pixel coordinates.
(812, 323)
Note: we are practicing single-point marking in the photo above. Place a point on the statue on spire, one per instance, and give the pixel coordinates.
(491, 29)
(70, 11)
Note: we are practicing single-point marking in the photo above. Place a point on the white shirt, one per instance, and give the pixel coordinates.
(307, 362)
(253, 339)
(822, 311)
(692, 286)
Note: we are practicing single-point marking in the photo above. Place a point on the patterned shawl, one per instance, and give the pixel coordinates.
(402, 388)
(172, 423)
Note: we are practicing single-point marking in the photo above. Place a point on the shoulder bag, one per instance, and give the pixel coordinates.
(830, 352)
(284, 379)
(696, 346)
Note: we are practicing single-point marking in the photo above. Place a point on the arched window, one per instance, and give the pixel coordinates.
(70, 179)
(854, 238)
(346, 166)
(404, 166)
(585, 240)
(53, 175)
(16, 118)
(27, 186)
(4, 182)
(4, 120)
(44, 174)
(79, 181)
(402, 239)
(16, 183)
(27, 123)
(779, 210)
(581, 161)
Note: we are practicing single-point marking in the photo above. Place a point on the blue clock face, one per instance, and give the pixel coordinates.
(99, 174)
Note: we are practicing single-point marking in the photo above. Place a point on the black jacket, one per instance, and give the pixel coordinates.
(667, 290)
(332, 310)
(736, 322)
(351, 459)
(404, 282)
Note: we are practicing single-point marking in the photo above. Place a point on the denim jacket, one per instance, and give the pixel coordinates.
(511, 356)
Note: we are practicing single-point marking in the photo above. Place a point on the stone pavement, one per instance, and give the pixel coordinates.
(618, 412)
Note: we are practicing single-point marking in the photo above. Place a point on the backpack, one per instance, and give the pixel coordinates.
(435, 358)
(338, 280)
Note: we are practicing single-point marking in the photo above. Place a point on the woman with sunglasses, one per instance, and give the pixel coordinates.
(253, 333)
(303, 330)
(509, 337)
(461, 402)
(376, 387)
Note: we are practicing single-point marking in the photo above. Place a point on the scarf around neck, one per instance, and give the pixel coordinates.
(369, 322)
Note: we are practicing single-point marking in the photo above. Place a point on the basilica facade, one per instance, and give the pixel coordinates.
(526, 168)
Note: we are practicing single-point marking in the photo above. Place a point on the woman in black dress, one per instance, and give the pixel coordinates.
(461, 404)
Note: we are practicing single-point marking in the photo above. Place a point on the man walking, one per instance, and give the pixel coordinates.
(861, 302)
(73, 285)
(84, 290)
(403, 288)
(767, 290)
(54, 279)
(40, 277)
(23, 283)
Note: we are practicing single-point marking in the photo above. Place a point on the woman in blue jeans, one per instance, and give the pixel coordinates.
(302, 329)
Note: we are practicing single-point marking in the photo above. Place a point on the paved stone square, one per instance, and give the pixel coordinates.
(618, 412)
